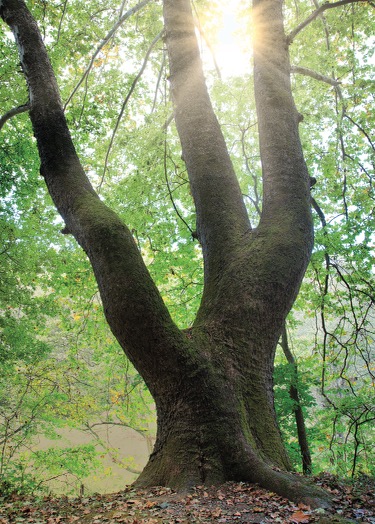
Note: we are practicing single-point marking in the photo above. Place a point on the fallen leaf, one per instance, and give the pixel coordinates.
(300, 517)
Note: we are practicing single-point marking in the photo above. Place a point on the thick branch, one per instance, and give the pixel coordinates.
(286, 212)
(315, 14)
(221, 214)
(132, 303)
(13, 112)
(262, 280)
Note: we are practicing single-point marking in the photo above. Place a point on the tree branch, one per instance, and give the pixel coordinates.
(315, 14)
(105, 40)
(61, 21)
(361, 130)
(221, 214)
(169, 187)
(207, 42)
(13, 112)
(162, 67)
(286, 183)
(325, 25)
(125, 103)
(132, 303)
(313, 74)
(142, 432)
(256, 201)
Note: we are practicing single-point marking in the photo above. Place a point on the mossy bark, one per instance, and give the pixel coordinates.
(212, 385)
(209, 432)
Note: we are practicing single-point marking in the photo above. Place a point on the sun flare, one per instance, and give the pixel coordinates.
(231, 49)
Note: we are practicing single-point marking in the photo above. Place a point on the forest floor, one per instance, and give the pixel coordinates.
(230, 503)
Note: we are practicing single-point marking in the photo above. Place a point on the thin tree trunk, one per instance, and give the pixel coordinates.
(297, 408)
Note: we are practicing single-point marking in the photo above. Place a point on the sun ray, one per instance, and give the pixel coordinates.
(231, 44)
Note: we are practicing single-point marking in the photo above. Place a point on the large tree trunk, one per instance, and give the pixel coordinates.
(212, 384)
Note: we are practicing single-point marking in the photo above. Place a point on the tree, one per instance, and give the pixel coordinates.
(212, 383)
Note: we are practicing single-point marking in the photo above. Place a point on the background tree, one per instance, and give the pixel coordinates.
(215, 408)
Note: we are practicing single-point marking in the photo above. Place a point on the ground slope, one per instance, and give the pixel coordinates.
(229, 503)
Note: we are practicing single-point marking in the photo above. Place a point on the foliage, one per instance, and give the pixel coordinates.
(16, 481)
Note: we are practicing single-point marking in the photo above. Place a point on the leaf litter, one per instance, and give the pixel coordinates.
(232, 502)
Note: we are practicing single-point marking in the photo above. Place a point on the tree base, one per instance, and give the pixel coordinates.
(292, 486)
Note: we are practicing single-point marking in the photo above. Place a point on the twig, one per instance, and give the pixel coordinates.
(132, 87)
(315, 14)
(170, 191)
(122, 9)
(198, 25)
(158, 83)
(105, 40)
(316, 3)
(142, 432)
(255, 201)
(324, 293)
(360, 129)
(61, 21)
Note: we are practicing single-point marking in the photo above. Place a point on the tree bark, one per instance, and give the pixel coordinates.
(212, 384)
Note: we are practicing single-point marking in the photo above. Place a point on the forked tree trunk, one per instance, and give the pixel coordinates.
(212, 384)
